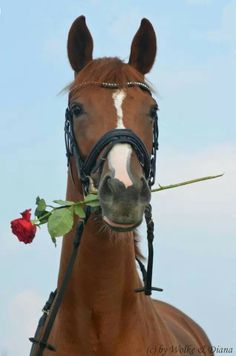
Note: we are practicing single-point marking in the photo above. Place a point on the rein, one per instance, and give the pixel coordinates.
(87, 166)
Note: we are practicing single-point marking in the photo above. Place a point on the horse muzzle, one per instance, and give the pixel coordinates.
(123, 207)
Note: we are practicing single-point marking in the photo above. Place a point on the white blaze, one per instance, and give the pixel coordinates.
(118, 98)
(118, 160)
(119, 156)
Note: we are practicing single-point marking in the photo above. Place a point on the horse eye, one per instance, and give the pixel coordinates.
(76, 110)
(153, 112)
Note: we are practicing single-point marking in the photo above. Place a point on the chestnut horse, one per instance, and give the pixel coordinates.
(100, 313)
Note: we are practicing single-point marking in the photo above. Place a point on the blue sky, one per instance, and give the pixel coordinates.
(195, 79)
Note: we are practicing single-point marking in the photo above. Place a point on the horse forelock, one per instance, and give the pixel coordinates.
(105, 70)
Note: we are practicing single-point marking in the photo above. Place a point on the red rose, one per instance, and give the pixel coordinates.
(23, 227)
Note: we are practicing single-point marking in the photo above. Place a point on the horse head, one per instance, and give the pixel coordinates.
(112, 122)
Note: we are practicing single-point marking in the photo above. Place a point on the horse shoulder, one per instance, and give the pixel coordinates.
(187, 332)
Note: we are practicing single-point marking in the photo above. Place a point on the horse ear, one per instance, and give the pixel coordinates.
(79, 44)
(143, 48)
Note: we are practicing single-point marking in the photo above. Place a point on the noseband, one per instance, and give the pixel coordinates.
(91, 163)
(86, 166)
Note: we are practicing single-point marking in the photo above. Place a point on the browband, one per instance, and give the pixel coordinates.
(111, 85)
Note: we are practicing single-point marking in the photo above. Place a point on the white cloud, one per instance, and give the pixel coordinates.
(23, 312)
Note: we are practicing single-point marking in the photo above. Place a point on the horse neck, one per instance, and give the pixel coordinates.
(105, 272)
(100, 306)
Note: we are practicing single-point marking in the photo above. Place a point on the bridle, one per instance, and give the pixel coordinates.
(89, 164)
(85, 167)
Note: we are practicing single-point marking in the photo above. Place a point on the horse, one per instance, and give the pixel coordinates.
(100, 313)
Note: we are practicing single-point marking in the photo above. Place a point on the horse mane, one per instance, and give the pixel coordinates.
(107, 69)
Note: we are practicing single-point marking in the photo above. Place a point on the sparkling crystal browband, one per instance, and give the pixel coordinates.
(115, 85)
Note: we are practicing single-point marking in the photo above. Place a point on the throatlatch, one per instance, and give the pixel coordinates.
(147, 289)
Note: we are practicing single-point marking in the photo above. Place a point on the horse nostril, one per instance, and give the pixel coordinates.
(111, 186)
(107, 184)
(115, 185)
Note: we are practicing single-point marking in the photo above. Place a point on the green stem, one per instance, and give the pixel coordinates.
(185, 183)
(164, 187)
(43, 217)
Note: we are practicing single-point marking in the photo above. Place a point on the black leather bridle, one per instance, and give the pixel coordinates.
(89, 164)
(86, 166)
